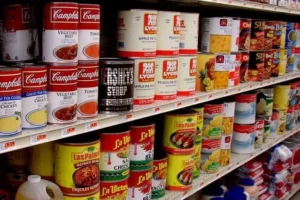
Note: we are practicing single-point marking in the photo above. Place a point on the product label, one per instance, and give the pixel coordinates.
(187, 75)
(110, 190)
(159, 178)
(139, 185)
(188, 33)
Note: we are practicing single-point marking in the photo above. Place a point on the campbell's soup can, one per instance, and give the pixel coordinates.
(116, 85)
(275, 62)
(187, 72)
(17, 38)
(168, 33)
(166, 77)
(139, 184)
(245, 108)
(10, 101)
(144, 81)
(268, 64)
(60, 32)
(88, 81)
(256, 65)
(234, 71)
(243, 140)
(137, 33)
(89, 32)
(189, 24)
(62, 93)
(244, 37)
(114, 189)
(244, 67)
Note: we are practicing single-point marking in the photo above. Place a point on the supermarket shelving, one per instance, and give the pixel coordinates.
(293, 192)
(55, 132)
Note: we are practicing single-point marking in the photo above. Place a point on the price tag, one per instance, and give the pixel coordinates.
(91, 126)
(156, 110)
(7, 146)
(68, 131)
(209, 97)
(226, 92)
(127, 117)
(177, 105)
(38, 138)
(197, 100)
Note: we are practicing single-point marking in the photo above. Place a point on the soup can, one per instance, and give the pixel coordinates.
(111, 189)
(268, 64)
(116, 85)
(244, 36)
(168, 33)
(244, 67)
(189, 24)
(291, 60)
(256, 65)
(76, 165)
(139, 184)
(187, 75)
(234, 71)
(210, 162)
(259, 132)
(225, 150)
(159, 178)
(205, 72)
(114, 153)
(213, 116)
(200, 119)
(282, 122)
(62, 93)
(264, 102)
(89, 32)
(197, 160)
(245, 108)
(10, 101)
(282, 62)
(236, 22)
(60, 32)
(274, 124)
(291, 35)
(228, 118)
(243, 140)
(281, 96)
(144, 81)
(275, 62)
(257, 41)
(283, 34)
(221, 74)
(137, 33)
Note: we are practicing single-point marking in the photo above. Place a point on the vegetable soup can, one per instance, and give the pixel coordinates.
(243, 140)
(245, 108)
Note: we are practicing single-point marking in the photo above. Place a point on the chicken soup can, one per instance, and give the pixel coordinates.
(116, 85)
(236, 22)
(159, 178)
(243, 140)
(259, 132)
(210, 162)
(274, 124)
(245, 108)
(275, 62)
(256, 65)
(213, 116)
(244, 67)
(244, 37)
(189, 24)
(187, 75)
(137, 33)
(257, 41)
(234, 71)
(139, 184)
(282, 62)
(111, 189)
(268, 64)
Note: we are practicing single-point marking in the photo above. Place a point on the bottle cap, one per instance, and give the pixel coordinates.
(34, 179)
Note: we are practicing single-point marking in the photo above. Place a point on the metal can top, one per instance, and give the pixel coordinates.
(116, 61)
(7, 68)
(29, 65)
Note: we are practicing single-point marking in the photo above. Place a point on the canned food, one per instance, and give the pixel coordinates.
(291, 35)
(268, 64)
(225, 150)
(244, 67)
(228, 118)
(112, 189)
(213, 116)
(264, 102)
(95, 196)
(275, 62)
(139, 184)
(210, 162)
(282, 122)
(291, 60)
(257, 35)
(137, 33)
(256, 65)
(267, 129)
(221, 74)
(245, 108)
(244, 38)
(282, 62)
(116, 85)
(274, 124)
(281, 96)
(236, 22)
(189, 24)
(200, 117)
(290, 121)
(243, 138)
(283, 35)
(259, 132)
(159, 178)
(187, 75)
(197, 160)
(234, 71)
(10, 101)
(209, 146)
(205, 72)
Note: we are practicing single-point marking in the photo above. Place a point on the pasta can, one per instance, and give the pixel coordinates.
(200, 118)
(116, 85)
(236, 22)
(277, 34)
(256, 65)
(180, 172)
(213, 116)
(210, 156)
(268, 64)
(259, 132)
(10, 101)
(290, 121)
(228, 118)
(180, 132)
(76, 165)
(243, 139)
(291, 60)
(205, 72)
(274, 124)
(221, 74)
(282, 62)
(189, 24)
(225, 150)
(264, 102)
(187, 75)
(244, 37)
(269, 34)
(144, 81)
(216, 34)
(283, 34)
(159, 177)
(62, 93)
(245, 108)
(257, 41)
(137, 33)
(291, 35)
(275, 62)
(111, 189)
(168, 33)
(114, 153)
(139, 184)
(281, 97)
(89, 32)
(166, 77)
(234, 71)
(244, 67)
(197, 160)
(60, 32)
(282, 122)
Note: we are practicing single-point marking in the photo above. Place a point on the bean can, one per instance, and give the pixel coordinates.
(245, 108)
(205, 72)
(243, 140)
(159, 178)
(234, 71)
(189, 23)
(221, 74)
(256, 65)
(244, 37)
(244, 67)
(257, 35)
(112, 189)
(139, 184)
(213, 116)
(187, 75)
(275, 62)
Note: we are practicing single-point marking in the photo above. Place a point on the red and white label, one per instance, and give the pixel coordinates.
(235, 34)
(187, 75)
(243, 138)
(226, 142)
(139, 184)
(189, 24)
(234, 73)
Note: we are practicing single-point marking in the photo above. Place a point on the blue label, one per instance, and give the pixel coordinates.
(291, 60)
(291, 36)
(31, 94)
(10, 98)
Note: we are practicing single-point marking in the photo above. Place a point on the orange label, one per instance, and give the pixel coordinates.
(170, 69)
(150, 23)
(146, 71)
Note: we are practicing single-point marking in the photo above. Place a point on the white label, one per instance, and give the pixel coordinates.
(187, 74)
(189, 32)
(88, 45)
(66, 132)
(86, 95)
(7, 146)
(228, 109)
(235, 35)
(223, 63)
(110, 161)
(283, 3)
(136, 193)
(226, 142)
(38, 138)
(91, 126)
(139, 153)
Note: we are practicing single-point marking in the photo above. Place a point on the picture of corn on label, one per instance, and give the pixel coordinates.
(210, 162)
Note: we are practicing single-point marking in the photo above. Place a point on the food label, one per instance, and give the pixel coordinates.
(200, 119)
(221, 74)
(244, 68)
(235, 35)
(259, 132)
(187, 75)
(277, 34)
(205, 72)
(210, 162)
(243, 139)
(159, 178)
(275, 63)
(269, 35)
(245, 109)
(209, 146)
(256, 65)
(226, 142)
(189, 23)
(212, 121)
(234, 70)
(268, 64)
(244, 38)
(291, 60)
(257, 35)
(139, 185)
(110, 190)
(291, 35)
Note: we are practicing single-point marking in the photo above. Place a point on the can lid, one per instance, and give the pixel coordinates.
(116, 61)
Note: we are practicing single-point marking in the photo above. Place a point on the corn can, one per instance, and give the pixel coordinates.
(210, 162)
(159, 178)
(225, 151)
(111, 189)
(197, 160)
(205, 72)
(213, 121)
(281, 97)
(139, 184)
(221, 74)
(282, 61)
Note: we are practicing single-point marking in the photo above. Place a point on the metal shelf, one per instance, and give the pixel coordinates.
(293, 192)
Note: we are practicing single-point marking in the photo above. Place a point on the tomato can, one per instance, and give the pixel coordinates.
(228, 118)
(137, 33)
(210, 161)
(205, 72)
(282, 62)
(236, 22)
(245, 108)
(291, 60)
(244, 37)
(268, 64)
(225, 150)
(189, 24)
(259, 132)
(243, 139)
(197, 160)
(116, 85)
(139, 184)
(213, 116)
(60, 32)
(234, 71)
(187, 75)
(76, 166)
(114, 189)
(257, 35)
(159, 178)
(244, 67)
(114, 153)
(222, 68)
(200, 119)
(144, 81)
(168, 33)
(10, 101)
(291, 35)
(256, 65)
(89, 32)
(283, 34)
(275, 62)
(166, 77)
(264, 102)
(274, 124)
(281, 97)
(62, 93)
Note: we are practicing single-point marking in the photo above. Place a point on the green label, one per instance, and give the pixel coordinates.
(156, 194)
(114, 175)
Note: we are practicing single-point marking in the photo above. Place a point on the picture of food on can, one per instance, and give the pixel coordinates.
(221, 74)
(210, 162)
(65, 113)
(244, 38)
(205, 72)
(244, 67)
(66, 52)
(212, 121)
(86, 176)
(139, 184)
(257, 35)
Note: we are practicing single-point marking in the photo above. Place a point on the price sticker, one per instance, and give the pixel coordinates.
(156, 109)
(177, 105)
(210, 96)
(7, 146)
(127, 117)
(65, 132)
(91, 126)
(38, 138)
(226, 92)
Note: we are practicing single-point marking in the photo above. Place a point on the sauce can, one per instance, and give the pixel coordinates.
(268, 64)
(244, 67)
(225, 150)
(290, 121)
(245, 108)
(274, 124)
(264, 102)
(291, 35)
(259, 132)
(282, 62)
(205, 72)
(200, 119)
(95, 196)
(197, 160)
(187, 75)
(116, 85)
(180, 132)
(89, 32)
(256, 65)
(88, 81)
(168, 33)
(277, 34)
(243, 139)
(114, 189)
(114, 153)
(159, 178)
(228, 118)
(291, 61)
(189, 24)
(283, 34)
(144, 81)
(281, 96)
(282, 122)
(180, 172)
(269, 34)
(139, 184)
(210, 162)
(10, 101)
(62, 94)
(257, 41)
(234, 71)
(166, 77)
(60, 32)
(137, 33)
(221, 74)
(236, 22)
(275, 62)
(76, 166)
(244, 37)
(213, 116)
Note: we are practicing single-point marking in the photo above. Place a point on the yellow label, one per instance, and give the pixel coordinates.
(89, 197)
(282, 62)
(281, 97)
(220, 43)
(205, 72)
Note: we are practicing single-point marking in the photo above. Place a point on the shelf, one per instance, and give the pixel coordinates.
(237, 160)
(55, 132)
(293, 192)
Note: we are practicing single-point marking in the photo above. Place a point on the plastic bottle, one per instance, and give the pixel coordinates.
(36, 188)
(250, 187)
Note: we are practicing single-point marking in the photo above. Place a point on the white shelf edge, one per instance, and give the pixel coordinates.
(293, 192)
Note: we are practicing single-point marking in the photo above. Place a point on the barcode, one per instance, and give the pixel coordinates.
(204, 48)
(121, 44)
(181, 45)
(67, 97)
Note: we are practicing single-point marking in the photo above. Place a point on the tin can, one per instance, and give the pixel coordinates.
(210, 162)
(114, 153)
(137, 33)
(243, 139)
(62, 94)
(245, 108)
(282, 122)
(168, 33)
(234, 71)
(139, 184)
(110, 190)
(274, 124)
(200, 118)
(275, 62)
(89, 32)
(209, 146)
(213, 116)
(180, 172)
(269, 34)
(281, 96)
(187, 75)
(277, 34)
(267, 129)
(291, 60)
(282, 62)
(264, 102)
(159, 178)
(283, 34)
(166, 77)
(60, 32)
(256, 65)
(236, 23)
(257, 35)
(189, 24)
(228, 118)
(291, 35)
(259, 132)
(116, 85)
(216, 34)
(197, 160)
(95, 196)
(293, 99)
(244, 67)
(77, 166)
(10, 101)
(244, 38)
(221, 74)
(290, 121)
(268, 64)
(205, 72)
(144, 81)
(225, 150)
(180, 131)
